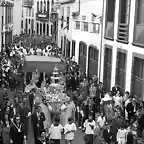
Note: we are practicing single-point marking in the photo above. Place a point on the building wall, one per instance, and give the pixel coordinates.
(6, 22)
(43, 22)
(87, 10)
(28, 18)
(129, 49)
(0, 27)
(17, 16)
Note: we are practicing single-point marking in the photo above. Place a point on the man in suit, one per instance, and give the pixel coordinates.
(38, 119)
(107, 134)
(17, 131)
(31, 98)
(115, 89)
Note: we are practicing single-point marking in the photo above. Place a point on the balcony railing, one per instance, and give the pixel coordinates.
(42, 16)
(123, 32)
(109, 30)
(28, 3)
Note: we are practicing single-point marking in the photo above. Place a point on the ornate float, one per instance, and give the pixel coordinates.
(54, 96)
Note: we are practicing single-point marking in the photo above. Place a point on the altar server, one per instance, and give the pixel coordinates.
(17, 131)
(37, 119)
(69, 131)
(55, 131)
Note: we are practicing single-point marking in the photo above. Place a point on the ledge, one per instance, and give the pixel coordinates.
(67, 1)
(122, 41)
(138, 45)
(108, 38)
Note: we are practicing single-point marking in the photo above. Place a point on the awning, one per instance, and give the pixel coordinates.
(43, 64)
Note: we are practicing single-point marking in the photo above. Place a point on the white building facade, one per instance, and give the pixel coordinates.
(43, 11)
(6, 23)
(80, 32)
(123, 46)
(17, 12)
(28, 14)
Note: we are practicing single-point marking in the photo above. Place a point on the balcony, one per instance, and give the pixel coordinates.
(139, 35)
(42, 16)
(109, 30)
(123, 32)
(28, 3)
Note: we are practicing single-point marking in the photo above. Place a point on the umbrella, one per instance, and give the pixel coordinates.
(107, 98)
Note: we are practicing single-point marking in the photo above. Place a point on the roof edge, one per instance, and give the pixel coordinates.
(67, 1)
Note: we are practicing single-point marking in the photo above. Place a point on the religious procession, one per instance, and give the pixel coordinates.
(55, 97)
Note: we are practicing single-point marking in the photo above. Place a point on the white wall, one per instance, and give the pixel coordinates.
(86, 9)
(128, 47)
(17, 16)
(0, 27)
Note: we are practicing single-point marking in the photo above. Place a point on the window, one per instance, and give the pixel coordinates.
(68, 11)
(47, 29)
(138, 78)
(110, 10)
(110, 13)
(95, 27)
(41, 6)
(22, 24)
(29, 31)
(22, 13)
(38, 6)
(44, 6)
(67, 23)
(26, 23)
(32, 12)
(38, 28)
(47, 9)
(29, 12)
(26, 11)
(73, 48)
(77, 24)
(61, 42)
(140, 12)
(32, 24)
(51, 30)
(44, 28)
(29, 21)
(85, 26)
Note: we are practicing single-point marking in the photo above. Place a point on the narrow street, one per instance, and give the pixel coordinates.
(78, 137)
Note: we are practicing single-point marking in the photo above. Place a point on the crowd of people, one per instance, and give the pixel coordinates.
(105, 117)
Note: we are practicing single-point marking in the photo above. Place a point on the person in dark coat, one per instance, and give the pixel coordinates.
(130, 110)
(25, 113)
(17, 131)
(73, 82)
(37, 119)
(107, 133)
(43, 139)
(31, 98)
(115, 89)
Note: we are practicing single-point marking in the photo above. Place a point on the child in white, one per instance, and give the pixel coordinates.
(69, 131)
(122, 135)
(55, 131)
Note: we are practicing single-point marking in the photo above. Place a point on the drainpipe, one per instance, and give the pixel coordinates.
(101, 41)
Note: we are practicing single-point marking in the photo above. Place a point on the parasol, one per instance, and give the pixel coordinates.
(107, 98)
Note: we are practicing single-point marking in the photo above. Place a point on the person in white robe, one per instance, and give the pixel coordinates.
(68, 112)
